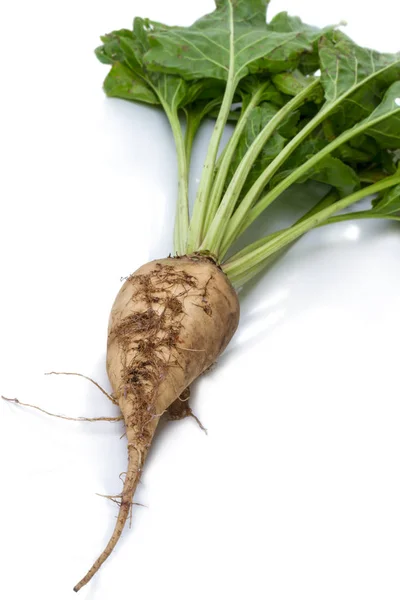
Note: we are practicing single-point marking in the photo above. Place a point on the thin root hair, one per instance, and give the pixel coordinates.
(90, 419)
(109, 396)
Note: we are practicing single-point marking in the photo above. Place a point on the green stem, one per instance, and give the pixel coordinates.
(360, 214)
(253, 260)
(194, 118)
(203, 193)
(244, 218)
(309, 164)
(192, 126)
(201, 204)
(227, 156)
(219, 160)
(239, 222)
(217, 232)
(182, 208)
(327, 200)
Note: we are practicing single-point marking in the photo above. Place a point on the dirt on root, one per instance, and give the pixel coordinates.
(149, 337)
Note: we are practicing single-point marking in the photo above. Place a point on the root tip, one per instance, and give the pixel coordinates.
(15, 400)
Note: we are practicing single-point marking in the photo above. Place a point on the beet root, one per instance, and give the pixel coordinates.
(169, 323)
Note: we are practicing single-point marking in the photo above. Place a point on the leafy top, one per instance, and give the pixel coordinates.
(232, 41)
(344, 65)
(341, 129)
(130, 79)
(253, 12)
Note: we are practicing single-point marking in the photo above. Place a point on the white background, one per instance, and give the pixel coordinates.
(295, 492)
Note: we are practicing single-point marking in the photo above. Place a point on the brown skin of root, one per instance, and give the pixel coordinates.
(169, 323)
(135, 463)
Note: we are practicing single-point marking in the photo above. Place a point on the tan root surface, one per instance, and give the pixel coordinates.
(169, 323)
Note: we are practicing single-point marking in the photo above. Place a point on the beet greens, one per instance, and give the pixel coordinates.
(313, 105)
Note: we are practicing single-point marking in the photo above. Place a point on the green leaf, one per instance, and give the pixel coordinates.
(290, 82)
(290, 126)
(232, 41)
(126, 79)
(385, 119)
(390, 203)
(353, 155)
(110, 52)
(365, 143)
(354, 80)
(351, 110)
(357, 74)
(330, 170)
(122, 83)
(250, 86)
(345, 65)
(129, 78)
(336, 173)
(284, 23)
(360, 150)
(371, 175)
(171, 90)
(222, 62)
(382, 123)
(311, 156)
(211, 89)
